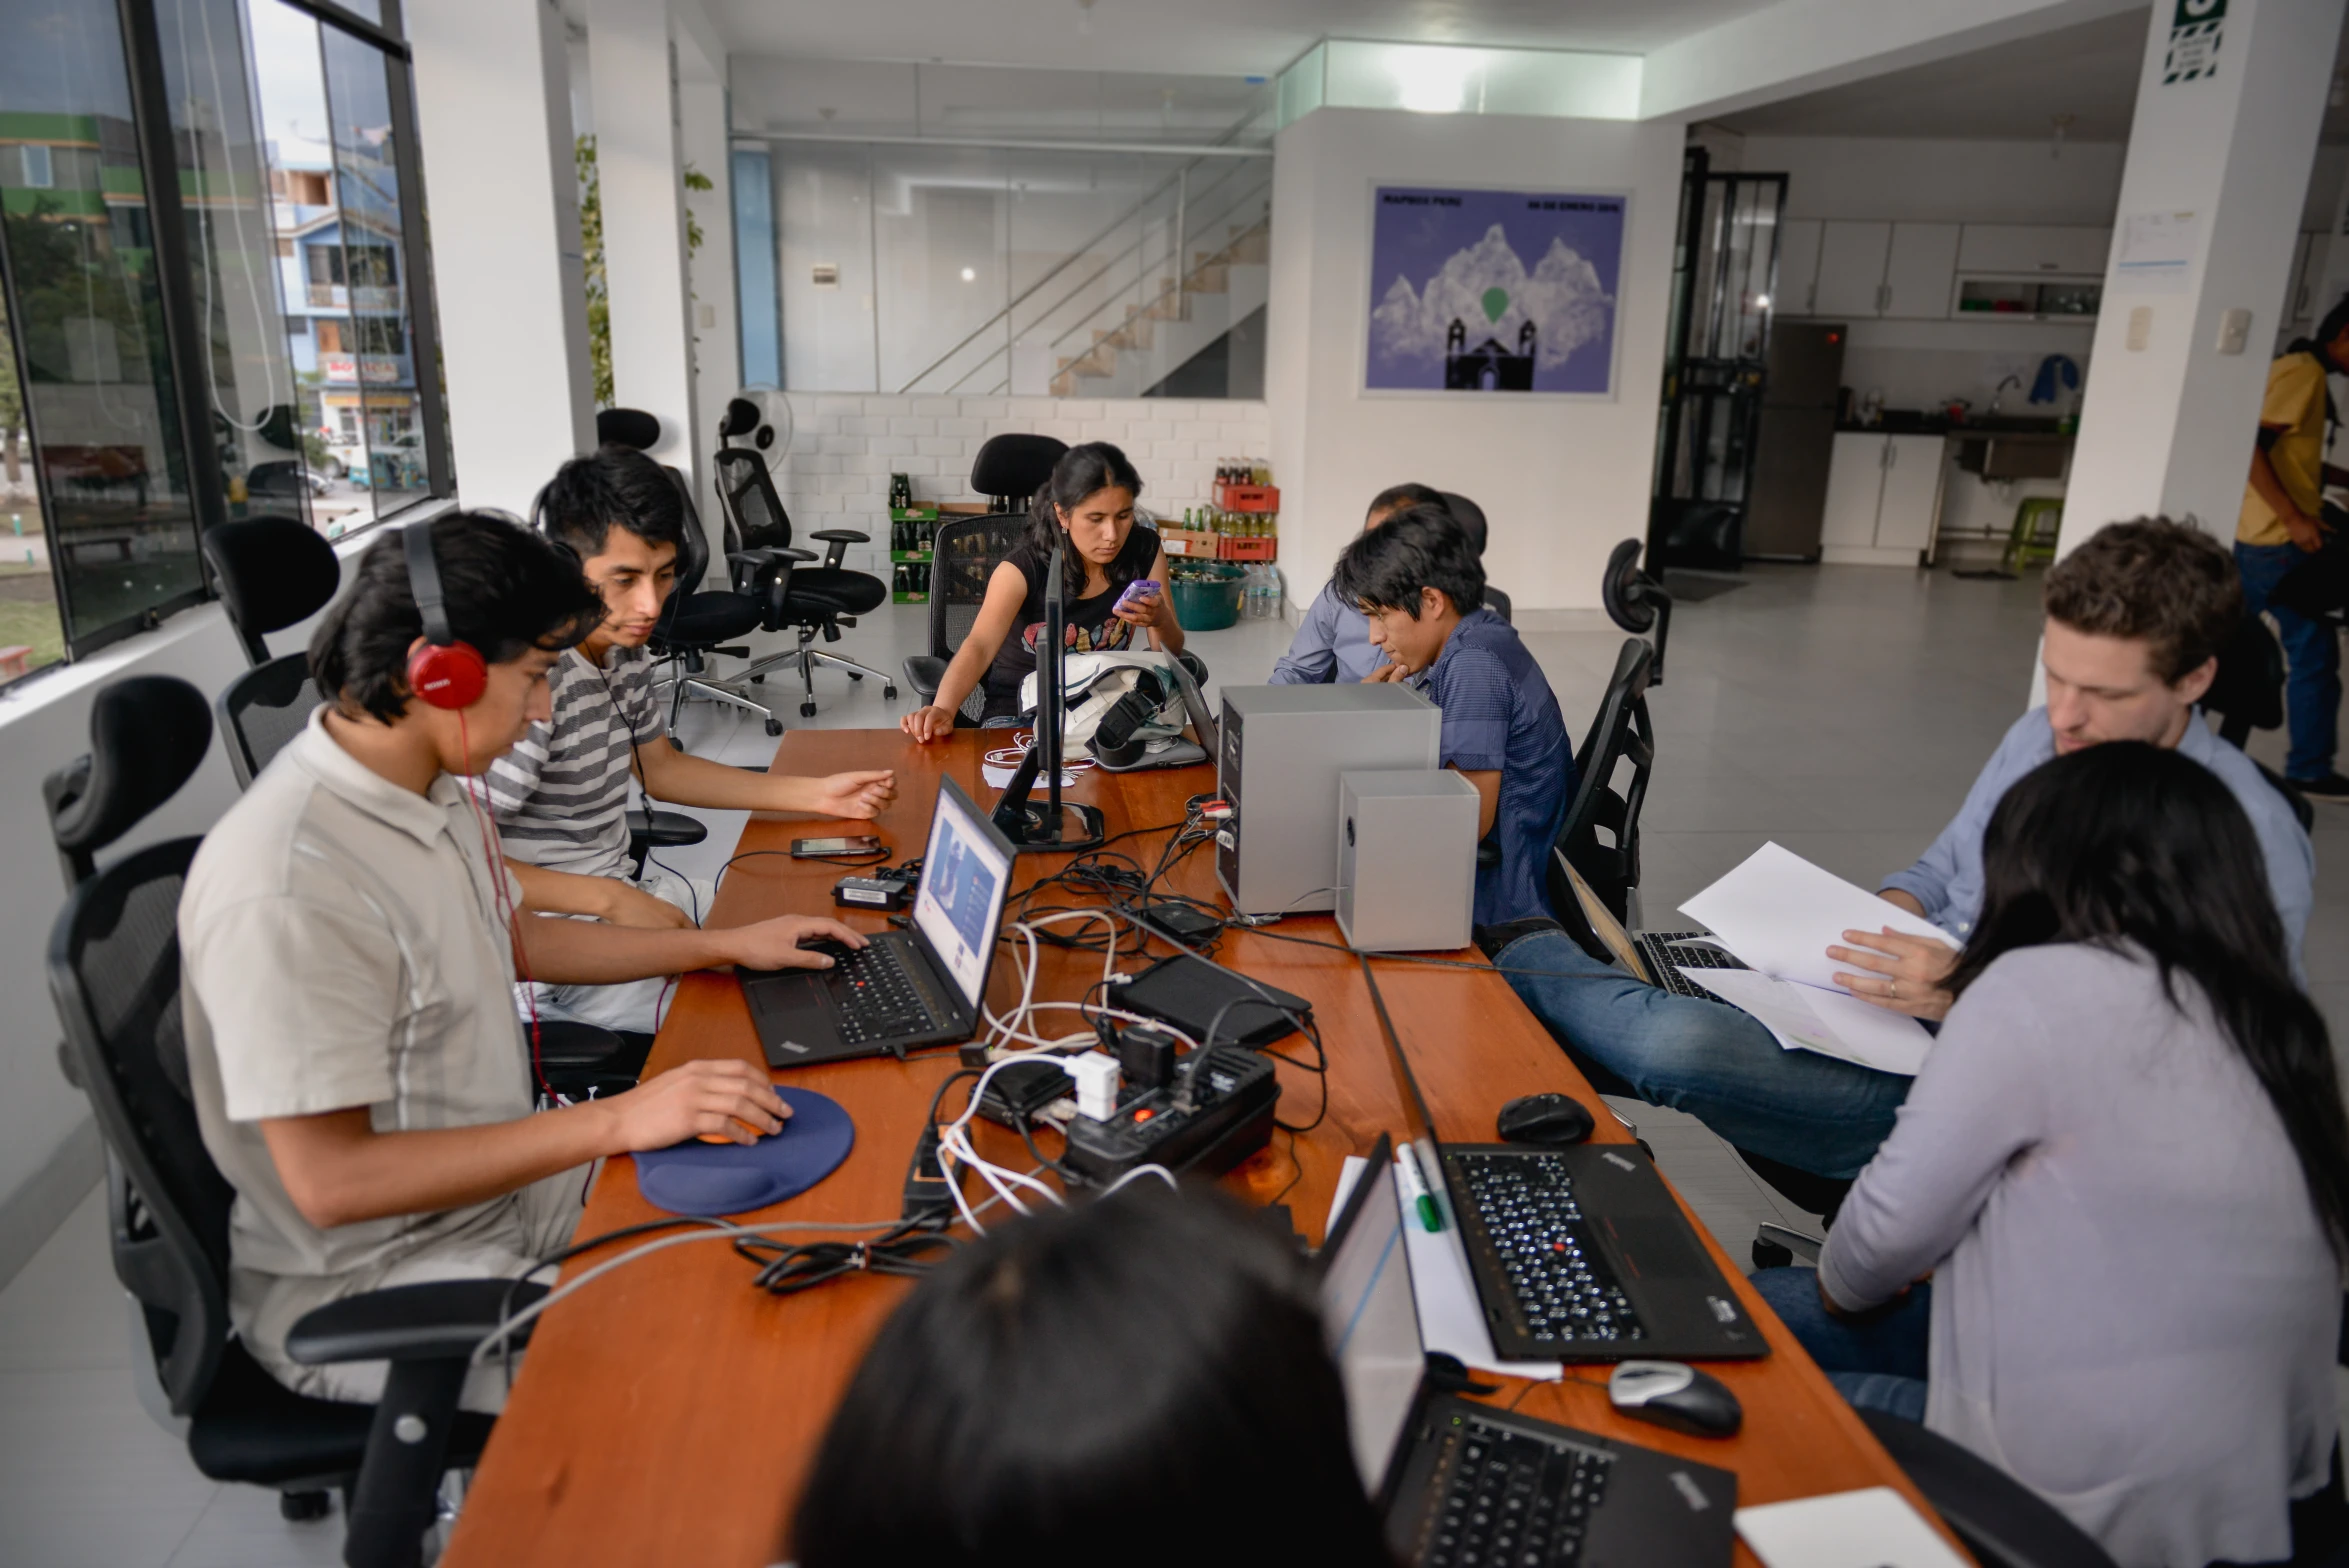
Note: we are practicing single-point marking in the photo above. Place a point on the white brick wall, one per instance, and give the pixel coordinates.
(844, 448)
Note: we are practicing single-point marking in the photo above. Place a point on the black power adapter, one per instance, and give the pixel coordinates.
(881, 890)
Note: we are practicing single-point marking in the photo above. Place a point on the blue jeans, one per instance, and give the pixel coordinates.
(2312, 656)
(1876, 1361)
(1707, 1058)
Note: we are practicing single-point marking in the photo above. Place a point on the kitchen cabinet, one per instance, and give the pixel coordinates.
(1798, 267)
(1919, 268)
(1851, 269)
(2026, 249)
(1883, 495)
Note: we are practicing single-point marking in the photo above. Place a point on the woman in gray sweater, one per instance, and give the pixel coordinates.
(2124, 1172)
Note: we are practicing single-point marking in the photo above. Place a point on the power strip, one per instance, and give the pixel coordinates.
(1232, 1094)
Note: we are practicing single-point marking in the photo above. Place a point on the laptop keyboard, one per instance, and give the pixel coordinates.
(1669, 952)
(1563, 1288)
(1510, 1499)
(875, 996)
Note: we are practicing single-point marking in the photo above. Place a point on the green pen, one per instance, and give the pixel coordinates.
(1431, 1214)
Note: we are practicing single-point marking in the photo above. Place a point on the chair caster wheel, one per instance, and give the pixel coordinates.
(889, 693)
(299, 1507)
(854, 676)
(1770, 1255)
(774, 726)
(807, 709)
(758, 680)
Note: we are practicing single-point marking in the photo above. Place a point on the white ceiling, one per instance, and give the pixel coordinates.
(1213, 37)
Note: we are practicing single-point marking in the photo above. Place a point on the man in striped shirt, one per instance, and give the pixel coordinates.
(561, 795)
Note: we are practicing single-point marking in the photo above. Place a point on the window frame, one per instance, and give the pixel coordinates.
(153, 136)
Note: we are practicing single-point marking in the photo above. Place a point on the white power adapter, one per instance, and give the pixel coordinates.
(1095, 1073)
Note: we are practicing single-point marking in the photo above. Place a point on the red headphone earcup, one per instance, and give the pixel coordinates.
(451, 676)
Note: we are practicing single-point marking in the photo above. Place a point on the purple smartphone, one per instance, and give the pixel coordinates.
(1140, 588)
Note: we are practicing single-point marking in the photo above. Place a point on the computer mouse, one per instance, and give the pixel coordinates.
(1549, 1119)
(1674, 1394)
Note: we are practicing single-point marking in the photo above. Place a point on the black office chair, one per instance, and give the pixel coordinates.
(114, 976)
(2248, 694)
(815, 601)
(2000, 1520)
(1471, 518)
(1600, 835)
(273, 572)
(1636, 601)
(1009, 470)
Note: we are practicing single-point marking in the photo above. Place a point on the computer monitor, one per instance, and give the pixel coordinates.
(965, 878)
(1055, 825)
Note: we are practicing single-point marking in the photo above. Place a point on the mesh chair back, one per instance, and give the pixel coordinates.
(1600, 837)
(264, 708)
(963, 557)
(755, 519)
(114, 976)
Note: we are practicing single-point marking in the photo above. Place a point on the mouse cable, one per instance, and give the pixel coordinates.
(787, 1270)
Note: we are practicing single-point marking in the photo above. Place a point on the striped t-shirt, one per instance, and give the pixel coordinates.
(561, 795)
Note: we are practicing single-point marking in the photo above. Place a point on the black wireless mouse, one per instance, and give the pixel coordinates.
(1549, 1119)
(1676, 1395)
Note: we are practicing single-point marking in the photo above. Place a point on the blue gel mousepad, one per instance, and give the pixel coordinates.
(731, 1178)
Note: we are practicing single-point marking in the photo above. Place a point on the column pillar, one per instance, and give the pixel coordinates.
(2222, 156)
(493, 112)
(717, 332)
(642, 177)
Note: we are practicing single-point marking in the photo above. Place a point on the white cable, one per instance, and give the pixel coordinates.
(1159, 1171)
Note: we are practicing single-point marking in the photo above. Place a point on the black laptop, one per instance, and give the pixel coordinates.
(1459, 1482)
(1580, 1253)
(905, 989)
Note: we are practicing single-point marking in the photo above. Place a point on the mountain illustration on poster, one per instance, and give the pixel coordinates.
(1456, 308)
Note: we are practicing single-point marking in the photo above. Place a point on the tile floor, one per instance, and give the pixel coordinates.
(1841, 710)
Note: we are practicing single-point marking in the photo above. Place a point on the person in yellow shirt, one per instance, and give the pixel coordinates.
(2282, 524)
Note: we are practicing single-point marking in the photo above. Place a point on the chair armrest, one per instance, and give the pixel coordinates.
(664, 829)
(840, 536)
(765, 575)
(925, 674)
(439, 1321)
(563, 1043)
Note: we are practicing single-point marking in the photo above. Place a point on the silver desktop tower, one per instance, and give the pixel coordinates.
(1283, 749)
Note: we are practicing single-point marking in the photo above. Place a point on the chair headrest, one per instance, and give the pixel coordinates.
(629, 427)
(1015, 465)
(1469, 516)
(273, 571)
(740, 419)
(148, 735)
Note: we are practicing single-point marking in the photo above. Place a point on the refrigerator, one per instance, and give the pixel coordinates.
(1794, 441)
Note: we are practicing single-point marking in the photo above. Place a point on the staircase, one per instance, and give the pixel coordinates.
(1118, 315)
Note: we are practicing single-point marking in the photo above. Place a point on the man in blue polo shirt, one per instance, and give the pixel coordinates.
(1421, 589)
(1332, 644)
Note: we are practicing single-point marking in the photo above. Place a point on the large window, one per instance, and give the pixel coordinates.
(244, 332)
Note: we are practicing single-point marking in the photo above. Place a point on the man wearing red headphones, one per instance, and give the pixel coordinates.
(349, 949)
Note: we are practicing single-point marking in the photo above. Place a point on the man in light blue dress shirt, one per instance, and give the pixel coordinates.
(2135, 619)
(1333, 640)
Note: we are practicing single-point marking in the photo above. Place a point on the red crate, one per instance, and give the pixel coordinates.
(1248, 498)
(1267, 548)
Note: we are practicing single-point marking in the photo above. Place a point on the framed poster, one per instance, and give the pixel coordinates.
(1493, 291)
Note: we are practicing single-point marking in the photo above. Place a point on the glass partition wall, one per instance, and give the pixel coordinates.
(238, 333)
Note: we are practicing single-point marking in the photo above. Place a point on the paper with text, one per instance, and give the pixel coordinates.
(1778, 913)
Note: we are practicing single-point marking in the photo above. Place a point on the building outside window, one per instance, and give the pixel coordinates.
(168, 364)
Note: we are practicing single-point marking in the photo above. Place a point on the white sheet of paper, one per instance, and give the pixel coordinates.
(1778, 913)
(2156, 253)
(1871, 1528)
(1832, 1023)
(1348, 1174)
(1450, 1319)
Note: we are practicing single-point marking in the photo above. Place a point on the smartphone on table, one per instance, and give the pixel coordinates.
(860, 844)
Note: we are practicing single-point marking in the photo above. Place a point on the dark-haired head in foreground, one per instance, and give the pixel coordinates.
(507, 592)
(1139, 1380)
(2128, 845)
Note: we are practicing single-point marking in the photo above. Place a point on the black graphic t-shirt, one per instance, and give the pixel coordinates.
(1087, 627)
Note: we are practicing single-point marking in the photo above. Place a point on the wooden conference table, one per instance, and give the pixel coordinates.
(667, 1413)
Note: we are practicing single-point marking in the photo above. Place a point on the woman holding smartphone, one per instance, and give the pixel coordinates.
(1113, 579)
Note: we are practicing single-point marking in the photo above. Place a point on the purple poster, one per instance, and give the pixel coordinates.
(1493, 291)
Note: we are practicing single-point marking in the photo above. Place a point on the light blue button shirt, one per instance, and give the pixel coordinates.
(1947, 879)
(1334, 636)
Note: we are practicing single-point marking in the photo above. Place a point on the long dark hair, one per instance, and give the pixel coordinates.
(1081, 470)
(1140, 1378)
(2129, 844)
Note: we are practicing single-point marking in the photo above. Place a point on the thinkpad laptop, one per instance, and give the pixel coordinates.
(905, 989)
(1658, 957)
(1458, 1482)
(1579, 1253)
